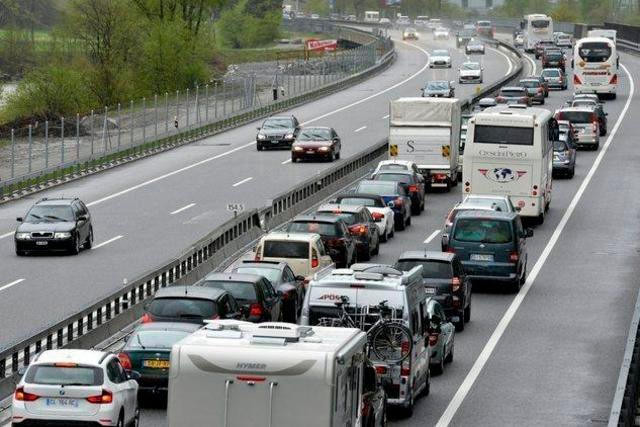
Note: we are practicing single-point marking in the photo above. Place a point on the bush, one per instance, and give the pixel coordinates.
(236, 29)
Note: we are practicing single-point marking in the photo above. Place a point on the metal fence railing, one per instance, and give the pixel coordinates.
(69, 144)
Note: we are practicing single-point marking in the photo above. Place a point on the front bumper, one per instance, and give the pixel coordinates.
(275, 143)
(44, 245)
(470, 79)
(310, 154)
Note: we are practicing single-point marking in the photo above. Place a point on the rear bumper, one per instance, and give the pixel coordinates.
(588, 139)
(586, 88)
(56, 423)
(491, 271)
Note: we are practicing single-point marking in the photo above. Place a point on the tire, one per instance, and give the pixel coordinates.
(427, 388)
(540, 219)
(409, 221)
(514, 287)
(136, 420)
(258, 147)
(384, 238)
(376, 250)
(542, 102)
(89, 242)
(596, 146)
(393, 232)
(449, 357)
(338, 155)
(400, 225)
(460, 323)
(467, 314)
(416, 210)
(438, 368)
(293, 160)
(75, 249)
(572, 173)
(366, 255)
(407, 411)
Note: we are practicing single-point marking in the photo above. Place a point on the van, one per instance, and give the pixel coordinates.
(239, 374)
(585, 120)
(364, 287)
(304, 252)
(492, 246)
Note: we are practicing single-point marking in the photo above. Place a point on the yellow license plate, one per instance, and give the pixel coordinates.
(156, 364)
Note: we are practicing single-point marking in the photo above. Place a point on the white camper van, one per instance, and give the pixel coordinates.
(509, 152)
(239, 374)
(427, 132)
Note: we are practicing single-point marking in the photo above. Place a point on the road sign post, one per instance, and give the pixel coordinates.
(236, 208)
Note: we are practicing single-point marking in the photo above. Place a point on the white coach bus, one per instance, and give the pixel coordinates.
(509, 152)
(536, 27)
(595, 66)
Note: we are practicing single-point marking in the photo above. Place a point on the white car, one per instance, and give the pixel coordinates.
(76, 386)
(421, 21)
(440, 58)
(474, 46)
(381, 213)
(441, 33)
(315, 16)
(518, 41)
(410, 33)
(385, 21)
(470, 72)
(402, 21)
(402, 165)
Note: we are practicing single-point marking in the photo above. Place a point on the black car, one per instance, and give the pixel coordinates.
(444, 280)
(283, 279)
(55, 225)
(370, 201)
(564, 155)
(540, 47)
(258, 300)
(553, 59)
(334, 233)
(277, 132)
(361, 225)
(394, 195)
(412, 182)
(190, 304)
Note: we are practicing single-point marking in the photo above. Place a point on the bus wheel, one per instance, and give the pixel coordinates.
(540, 218)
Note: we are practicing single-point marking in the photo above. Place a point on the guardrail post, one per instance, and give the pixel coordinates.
(46, 144)
(106, 136)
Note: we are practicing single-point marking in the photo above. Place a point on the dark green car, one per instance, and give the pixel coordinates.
(147, 351)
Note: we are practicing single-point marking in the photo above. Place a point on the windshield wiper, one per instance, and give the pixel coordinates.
(55, 217)
(140, 342)
(35, 216)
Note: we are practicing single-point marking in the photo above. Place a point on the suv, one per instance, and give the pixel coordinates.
(514, 95)
(304, 252)
(553, 59)
(76, 387)
(491, 246)
(585, 121)
(444, 280)
(541, 45)
(334, 232)
(277, 132)
(364, 287)
(361, 225)
(55, 225)
(190, 304)
(258, 300)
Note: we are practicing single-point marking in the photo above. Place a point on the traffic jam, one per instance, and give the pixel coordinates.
(308, 307)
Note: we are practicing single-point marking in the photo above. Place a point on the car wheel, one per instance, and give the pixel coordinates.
(438, 368)
(392, 233)
(293, 159)
(136, 420)
(460, 323)
(515, 286)
(259, 147)
(467, 314)
(427, 388)
(120, 422)
(542, 102)
(89, 242)
(401, 225)
(407, 411)
(75, 247)
(376, 250)
(409, 221)
(449, 357)
(572, 173)
(384, 237)
(540, 218)
(338, 155)
(366, 255)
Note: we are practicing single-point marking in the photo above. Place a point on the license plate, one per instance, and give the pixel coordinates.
(42, 243)
(156, 364)
(62, 403)
(430, 291)
(310, 152)
(481, 257)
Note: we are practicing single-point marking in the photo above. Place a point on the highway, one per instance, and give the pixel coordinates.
(148, 211)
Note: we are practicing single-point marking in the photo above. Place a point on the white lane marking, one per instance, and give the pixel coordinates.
(113, 239)
(488, 349)
(182, 209)
(2, 236)
(243, 181)
(534, 66)
(510, 69)
(360, 129)
(8, 285)
(386, 116)
(431, 236)
(286, 161)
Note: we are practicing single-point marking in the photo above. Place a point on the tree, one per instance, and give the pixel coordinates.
(191, 12)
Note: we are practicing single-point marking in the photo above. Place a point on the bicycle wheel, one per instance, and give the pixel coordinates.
(331, 322)
(391, 342)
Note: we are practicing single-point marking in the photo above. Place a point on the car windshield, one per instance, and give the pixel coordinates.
(486, 134)
(438, 85)
(314, 134)
(155, 339)
(410, 30)
(530, 83)
(271, 274)
(380, 188)
(559, 146)
(50, 213)
(182, 307)
(550, 73)
(349, 218)
(495, 204)
(64, 375)
(467, 33)
(361, 201)
(395, 177)
(582, 102)
(431, 269)
(286, 249)
(594, 51)
(276, 123)
(440, 52)
(482, 230)
(576, 116)
(242, 291)
(322, 228)
(470, 66)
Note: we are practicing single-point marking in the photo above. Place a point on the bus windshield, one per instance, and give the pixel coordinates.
(503, 135)
(540, 23)
(594, 51)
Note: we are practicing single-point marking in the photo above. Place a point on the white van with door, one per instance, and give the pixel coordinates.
(509, 152)
(239, 374)
(358, 293)
(304, 252)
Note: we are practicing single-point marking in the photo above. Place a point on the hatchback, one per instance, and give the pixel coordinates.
(76, 387)
(535, 89)
(564, 156)
(514, 95)
(334, 233)
(394, 195)
(553, 59)
(361, 225)
(441, 337)
(381, 213)
(491, 246)
(413, 183)
(555, 78)
(597, 107)
(586, 124)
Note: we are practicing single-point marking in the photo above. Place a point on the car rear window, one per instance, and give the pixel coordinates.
(484, 134)
(155, 339)
(576, 116)
(271, 274)
(349, 218)
(239, 290)
(431, 269)
(482, 230)
(554, 56)
(395, 177)
(529, 83)
(322, 228)
(550, 73)
(380, 188)
(497, 204)
(512, 93)
(285, 249)
(64, 375)
(182, 307)
(358, 201)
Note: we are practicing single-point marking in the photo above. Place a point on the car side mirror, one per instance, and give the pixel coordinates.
(391, 204)
(517, 208)
(133, 375)
(528, 233)
(83, 218)
(301, 278)
(22, 370)
(19, 219)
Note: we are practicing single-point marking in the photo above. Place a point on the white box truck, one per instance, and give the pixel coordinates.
(427, 132)
(238, 374)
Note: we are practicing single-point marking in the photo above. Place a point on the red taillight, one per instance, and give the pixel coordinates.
(358, 229)
(576, 80)
(514, 257)
(440, 177)
(413, 189)
(314, 262)
(594, 122)
(125, 361)
(404, 347)
(255, 310)
(614, 80)
(405, 371)
(499, 98)
(105, 397)
(377, 215)
(23, 396)
(433, 339)
(398, 202)
(146, 318)
(540, 90)
(455, 284)
(381, 370)
(450, 250)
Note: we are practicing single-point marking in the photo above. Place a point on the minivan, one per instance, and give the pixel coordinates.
(492, 246)
(585, 121)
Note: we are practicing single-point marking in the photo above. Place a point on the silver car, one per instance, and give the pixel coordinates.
(470, 72)
(438, 89)
(474, 46)
(440, 58)
(585, 123)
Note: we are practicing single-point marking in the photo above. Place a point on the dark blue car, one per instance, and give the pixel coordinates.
(394, 195)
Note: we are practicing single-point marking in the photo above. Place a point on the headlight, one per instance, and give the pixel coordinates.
(23, 236)
(288, 136)
(262, 136)
(62, 235)
(298, 148)
(323, 149)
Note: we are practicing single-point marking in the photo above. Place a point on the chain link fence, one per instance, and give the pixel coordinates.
(44, 147)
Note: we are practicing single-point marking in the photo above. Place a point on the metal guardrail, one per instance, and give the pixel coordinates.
(110, 315)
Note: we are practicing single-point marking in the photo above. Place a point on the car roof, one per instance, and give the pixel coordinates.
(584, 108)
(189, 292)
(232, 277)
(371, 181)
(56, 202)
(427, 255)
(512, 88)
(491, 214)
(167, 326)
(359, 196)
(340, 207)
(394, 171)
(486, 196)
(332, 219)
(274, 265)
(294, 237)
(407, 163)
(84, 357)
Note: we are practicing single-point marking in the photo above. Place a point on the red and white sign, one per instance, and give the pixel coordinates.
(325, 45)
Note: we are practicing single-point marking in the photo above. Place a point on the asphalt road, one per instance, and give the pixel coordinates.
(148, 211)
